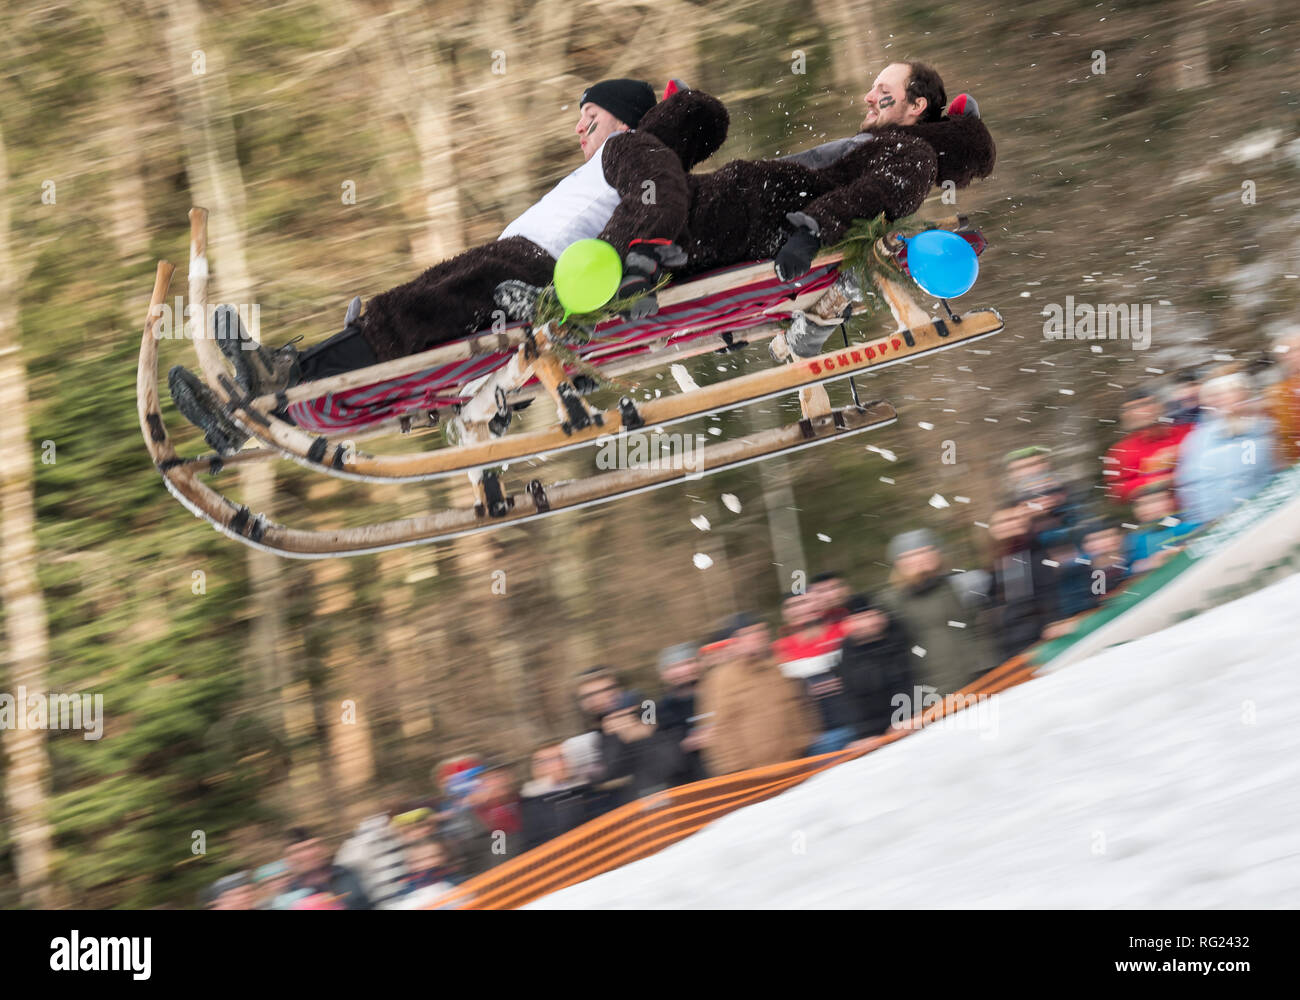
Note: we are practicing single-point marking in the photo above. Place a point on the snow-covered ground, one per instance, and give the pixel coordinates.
(1163, 773)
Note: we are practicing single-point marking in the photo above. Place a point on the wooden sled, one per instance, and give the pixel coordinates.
(528, 363)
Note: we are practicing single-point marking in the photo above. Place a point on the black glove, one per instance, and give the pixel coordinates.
(642, 271)
(796, 255)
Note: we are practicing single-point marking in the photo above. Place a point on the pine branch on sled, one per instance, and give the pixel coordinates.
(525, 361)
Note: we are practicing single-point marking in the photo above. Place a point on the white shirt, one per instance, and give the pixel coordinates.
(577, 208)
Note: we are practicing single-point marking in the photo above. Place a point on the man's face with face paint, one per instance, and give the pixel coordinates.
(595, 125)
(887, 101)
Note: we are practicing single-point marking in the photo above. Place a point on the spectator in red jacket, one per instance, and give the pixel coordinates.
(1148, 453)
(496, 805)
(809, 652)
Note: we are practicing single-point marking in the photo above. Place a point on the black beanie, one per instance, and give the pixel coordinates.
(626, 100)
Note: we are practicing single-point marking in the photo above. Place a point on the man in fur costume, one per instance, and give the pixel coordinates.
(792, 207)
(604, 198)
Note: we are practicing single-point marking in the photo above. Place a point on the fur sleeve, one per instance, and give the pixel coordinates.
(651, 185)
(892, 175)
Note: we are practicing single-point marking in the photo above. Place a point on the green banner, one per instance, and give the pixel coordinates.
(1200, 546)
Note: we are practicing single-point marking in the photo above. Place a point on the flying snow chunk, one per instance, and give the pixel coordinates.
(701, 561)
(701, 522)
(938, 502)
(823, 538)
(731, 502)
(683, 378)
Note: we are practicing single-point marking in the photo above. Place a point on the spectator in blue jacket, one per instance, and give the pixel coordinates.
(1160, 531)
(1228, 457)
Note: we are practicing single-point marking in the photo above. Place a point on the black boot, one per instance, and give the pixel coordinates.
(258, 370)
(200, 407)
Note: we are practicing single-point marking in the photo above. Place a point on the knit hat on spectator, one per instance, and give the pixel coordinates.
(858, 603)
(683, 652)
(1030, 452)
(626, 702)
(457, 765)
(1160, 484)
(627, 100)
(410, 816)
(223, 885)
(270, 870)
(738, 621)
(910, 541)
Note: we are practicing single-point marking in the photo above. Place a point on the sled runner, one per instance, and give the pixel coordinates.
(469, 389)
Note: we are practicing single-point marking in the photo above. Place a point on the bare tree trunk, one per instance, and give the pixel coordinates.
(26, 629)
(783, 523)
(517, 80)
(410, 76)
(217, 184)
(855, 52)
(1191, 55)
(122, 129)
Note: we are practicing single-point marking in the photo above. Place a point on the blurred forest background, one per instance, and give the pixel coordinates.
(224, 672)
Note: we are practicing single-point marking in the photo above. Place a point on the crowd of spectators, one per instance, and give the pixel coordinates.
(843, 667)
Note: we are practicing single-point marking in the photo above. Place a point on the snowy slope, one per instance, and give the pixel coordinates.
(1163, 773)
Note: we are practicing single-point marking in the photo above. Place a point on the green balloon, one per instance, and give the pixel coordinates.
(587, 275)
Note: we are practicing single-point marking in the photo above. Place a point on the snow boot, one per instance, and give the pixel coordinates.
(259, 371)
(199, 405)
(517, 298)
(805, 339)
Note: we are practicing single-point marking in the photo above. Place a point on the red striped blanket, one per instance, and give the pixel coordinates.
(725, 311)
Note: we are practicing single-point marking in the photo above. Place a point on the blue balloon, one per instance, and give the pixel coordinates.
(942, 263)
